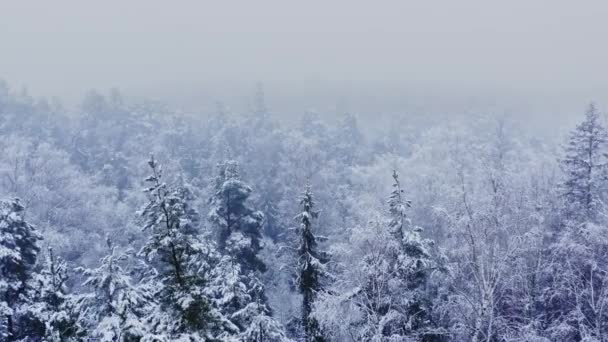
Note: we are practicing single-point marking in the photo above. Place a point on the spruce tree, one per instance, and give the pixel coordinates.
(18, 252)
(580, 271)
(584, 167)
(240, 297)
(393, 295)
(413, 266)
(397, 209)
(238, 226)
(179, 260)
(239, 292)
(311, 266)
(114, 309)
(53, 306)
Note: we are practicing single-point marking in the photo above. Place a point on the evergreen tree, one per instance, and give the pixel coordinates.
(389, 282)
(311, 266)
(179, 260)
(397, 209)
(391, 298)
(240, 297)
(413, 268)
(239, 293)
(18, 252)
(237, 224)
(114, 310)
(53, 306)
(579, 290)
(584, 166)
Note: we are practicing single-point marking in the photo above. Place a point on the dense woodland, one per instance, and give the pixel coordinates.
(130, 221)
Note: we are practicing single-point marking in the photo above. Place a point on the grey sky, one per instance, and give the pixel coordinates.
(549, 48)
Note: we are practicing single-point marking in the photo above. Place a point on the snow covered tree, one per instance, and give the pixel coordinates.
(311, 266)
(53, 307)
(114, 310)
(237, 224)
(397, 209)
(179, 262)
(386, 295)
(584, 166)
(68, 206)
(493, 262)
(414, 264)
(241, 299)
(239, 292)
(576, 281)
(405, 309)
(576, 293)
(18, 252)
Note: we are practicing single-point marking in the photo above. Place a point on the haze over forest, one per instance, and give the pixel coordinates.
(394, 56)
(320, 171)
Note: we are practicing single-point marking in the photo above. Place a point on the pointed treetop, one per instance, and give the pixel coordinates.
(151, 161)
(397, 207)
(307, 202)
(108, 241)
(16, 206)
(231, 170)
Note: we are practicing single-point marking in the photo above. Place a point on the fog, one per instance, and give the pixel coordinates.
(276, 171)
(546, 55)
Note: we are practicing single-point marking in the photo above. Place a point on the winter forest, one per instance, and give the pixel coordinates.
(127, 221)
(303, 171)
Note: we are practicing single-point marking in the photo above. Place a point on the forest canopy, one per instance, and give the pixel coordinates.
(130, 220)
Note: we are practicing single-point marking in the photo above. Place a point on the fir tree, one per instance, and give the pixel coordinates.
(240, 297)
(114, 310)
(53, 306)
(392, 296)
(397, 208)
(413, 267)
(311, 266)
(584, 166)
(179, 259)
(18, 252)
(238, 226)
(238, 291)
(580, 273)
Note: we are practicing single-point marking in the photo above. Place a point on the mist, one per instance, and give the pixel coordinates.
(547, 55)
(273, 171)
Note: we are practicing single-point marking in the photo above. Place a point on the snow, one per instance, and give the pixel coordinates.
(486, 230)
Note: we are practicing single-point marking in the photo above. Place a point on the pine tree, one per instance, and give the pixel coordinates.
(397, 209)
(239, 293)
(237, 224)
(240, 297)
(180, 262)
(114, 310)
(392, 296)
(18, 252)
(53, 307)
(311, 266)
(413, 265)
(580, 270)
(584, 167)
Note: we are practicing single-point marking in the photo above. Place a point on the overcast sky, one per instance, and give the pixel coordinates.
(553, 49)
